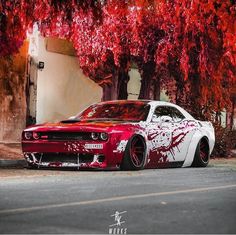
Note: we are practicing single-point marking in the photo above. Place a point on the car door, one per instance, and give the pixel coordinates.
(169, 135)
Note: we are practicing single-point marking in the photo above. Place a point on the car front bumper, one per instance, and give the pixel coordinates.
(75, 154)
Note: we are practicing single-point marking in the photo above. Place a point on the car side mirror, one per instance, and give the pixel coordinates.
(166, 119)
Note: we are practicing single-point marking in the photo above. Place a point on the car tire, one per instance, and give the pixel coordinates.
(135, 154)
(202, 154)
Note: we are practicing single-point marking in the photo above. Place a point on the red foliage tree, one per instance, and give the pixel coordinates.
(15, 19)
(145, 37)
(188, 43)
(198, 51)
(101, 50)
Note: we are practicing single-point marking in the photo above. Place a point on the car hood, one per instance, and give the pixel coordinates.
(72, 125)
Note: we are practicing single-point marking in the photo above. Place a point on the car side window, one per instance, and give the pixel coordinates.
(176, 114)
(162, 111)
(169, 111)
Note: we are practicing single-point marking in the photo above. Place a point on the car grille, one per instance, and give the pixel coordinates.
(66, 135)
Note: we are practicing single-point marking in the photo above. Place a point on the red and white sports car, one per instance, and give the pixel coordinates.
(128, 135)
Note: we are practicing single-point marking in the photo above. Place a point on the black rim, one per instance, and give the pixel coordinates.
(137, 151)
(204, 151)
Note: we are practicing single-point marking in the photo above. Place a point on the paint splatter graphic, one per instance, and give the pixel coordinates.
(166, 139)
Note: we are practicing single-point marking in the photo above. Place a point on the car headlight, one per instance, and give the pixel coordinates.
(103, 136)
(94, 135)
(36, 135)
(28, 135)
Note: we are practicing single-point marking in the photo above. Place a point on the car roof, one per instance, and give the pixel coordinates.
(124, 101)
(151, 102)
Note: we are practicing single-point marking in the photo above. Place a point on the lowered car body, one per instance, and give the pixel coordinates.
(129, 135)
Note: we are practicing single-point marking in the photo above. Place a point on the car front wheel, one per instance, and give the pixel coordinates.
(134, 156)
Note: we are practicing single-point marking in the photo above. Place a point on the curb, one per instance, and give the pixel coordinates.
(13, 163)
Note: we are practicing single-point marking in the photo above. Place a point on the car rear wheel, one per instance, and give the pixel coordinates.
(134, 156)
(202, 156)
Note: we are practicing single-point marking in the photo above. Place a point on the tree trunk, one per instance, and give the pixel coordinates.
(145, 89)
(150, 85)
(123, 79)
(233, 114)
(157, 89)
(180, 98)
(179, 93)
(110, 89)
(117, 89)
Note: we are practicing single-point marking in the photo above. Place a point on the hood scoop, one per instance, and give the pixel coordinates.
(70, 121)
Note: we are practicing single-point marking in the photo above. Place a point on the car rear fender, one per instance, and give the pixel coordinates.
(192, 148)
(208, 130)
(205, 130)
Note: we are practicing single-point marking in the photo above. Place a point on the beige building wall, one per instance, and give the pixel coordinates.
(134, 84)
(62, 89)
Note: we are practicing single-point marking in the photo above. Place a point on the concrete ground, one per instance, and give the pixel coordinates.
(181, 200)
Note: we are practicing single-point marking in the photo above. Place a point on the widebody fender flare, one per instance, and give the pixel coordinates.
(198, 135)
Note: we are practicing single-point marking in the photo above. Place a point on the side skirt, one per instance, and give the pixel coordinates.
(170, 164)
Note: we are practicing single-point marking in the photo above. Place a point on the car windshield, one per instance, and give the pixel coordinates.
(120, 111)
